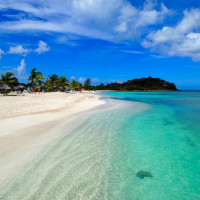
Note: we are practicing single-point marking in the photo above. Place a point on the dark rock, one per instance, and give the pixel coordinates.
(142, 174)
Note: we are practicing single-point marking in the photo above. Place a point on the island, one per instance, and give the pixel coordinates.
(142, 84)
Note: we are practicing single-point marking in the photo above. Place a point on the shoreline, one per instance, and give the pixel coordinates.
(16, 131)
(14, 106)
(20, 147)
(27, 139)
(71, 136)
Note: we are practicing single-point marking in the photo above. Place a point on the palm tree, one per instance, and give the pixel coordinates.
(35, 77)
(51, 81)
(62, 82)
(74, 84)
(87, 84)
(8, 80)
(80, 86)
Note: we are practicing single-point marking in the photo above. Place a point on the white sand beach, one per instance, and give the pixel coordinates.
(25, 117)
(31, 124)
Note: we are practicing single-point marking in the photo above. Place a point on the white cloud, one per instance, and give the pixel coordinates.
(62, 39)
(133, 52)
(21, 70)
(18, 50)
(149, 17)
(127, 15)
(42, 47)
(6, 67)
(132, 21)
(113, 20)
(181, 40)
(108, 20)
(1, 53)
(81, 80)
(72, 77)
(69, 40)
(95, 80)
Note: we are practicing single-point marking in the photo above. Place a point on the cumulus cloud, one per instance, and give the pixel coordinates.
(21, 70)
(1, 53)
(133, 19)
(180, 40)
(18, 50)
(42, 47)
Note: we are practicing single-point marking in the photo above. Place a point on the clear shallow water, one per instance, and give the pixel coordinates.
(100, 159)
(164, 140)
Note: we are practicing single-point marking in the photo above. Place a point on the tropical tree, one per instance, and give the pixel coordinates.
(35, 77)
(62, 82)
(87, 84)
(80, 86)
(51, 81)
(8, 79)
(74, 84)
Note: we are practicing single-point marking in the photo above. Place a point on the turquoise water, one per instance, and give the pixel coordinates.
(156, 134)
(164, 140)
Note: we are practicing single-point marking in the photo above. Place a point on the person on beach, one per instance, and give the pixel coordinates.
(31, 90)
(28, 89)
(35, 89)
(39, 90)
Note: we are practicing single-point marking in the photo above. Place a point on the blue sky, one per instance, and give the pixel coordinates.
(108, 41)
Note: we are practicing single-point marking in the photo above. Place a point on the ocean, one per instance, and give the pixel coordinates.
(145, 147)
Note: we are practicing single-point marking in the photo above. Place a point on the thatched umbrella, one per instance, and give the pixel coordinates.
(19, 87)
(67, 89)
(5, 88)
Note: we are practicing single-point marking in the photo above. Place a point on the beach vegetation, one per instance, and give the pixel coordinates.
(142, 84)
(36, 78)
(51, 82)
(74, 84)
(87, 84)
(62, 83)
(7, 82)
(55, 83)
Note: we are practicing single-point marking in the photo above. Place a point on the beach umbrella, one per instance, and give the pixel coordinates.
(19, 87)
(5, 87)
(67, 89)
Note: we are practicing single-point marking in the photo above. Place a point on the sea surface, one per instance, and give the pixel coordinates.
(146, 147)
